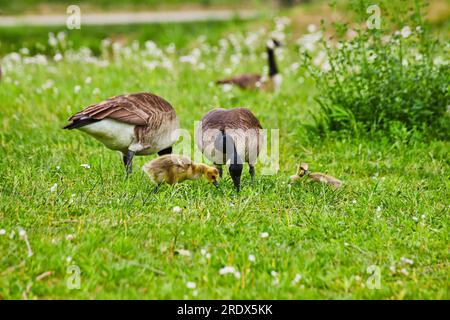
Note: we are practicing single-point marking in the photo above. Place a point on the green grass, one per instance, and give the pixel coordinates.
(33, 6)
(126, 239)
(35, 39)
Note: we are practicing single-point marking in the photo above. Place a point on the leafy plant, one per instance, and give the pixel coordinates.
(370, 79)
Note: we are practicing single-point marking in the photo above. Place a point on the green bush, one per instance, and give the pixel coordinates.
(379, 79)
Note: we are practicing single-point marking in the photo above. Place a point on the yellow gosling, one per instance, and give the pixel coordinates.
(173, 168)
(302, 171)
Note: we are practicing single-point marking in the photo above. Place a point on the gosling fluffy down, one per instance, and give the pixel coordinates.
(302, 171)
(173, 168)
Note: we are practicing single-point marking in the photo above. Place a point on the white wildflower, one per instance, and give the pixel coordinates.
(264, 235)
(85, 165)
(54, 187)
(251, 258)
(406, 260)
(405, 32)
(296, 279)
(70, 237)
(58, 57)
(191, 285)
(227, 87)
(184, 252)
(176, 209)
(226, 270)
(312, 28)
(2, 232)
(77, 89)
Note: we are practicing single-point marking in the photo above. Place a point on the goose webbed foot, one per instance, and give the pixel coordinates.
(128, 161)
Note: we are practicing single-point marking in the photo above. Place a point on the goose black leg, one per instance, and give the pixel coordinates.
(252, 172)
(165, 151)
(128, 161)
(219, 168)
(235, 173)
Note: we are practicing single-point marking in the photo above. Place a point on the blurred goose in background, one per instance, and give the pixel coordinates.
(257, 81)
(173, 168)
(134, 124)
(303, 171)
(231, 137)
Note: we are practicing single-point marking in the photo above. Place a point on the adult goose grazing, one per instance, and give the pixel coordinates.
(257, 81)
(134, 124)
(231, 137)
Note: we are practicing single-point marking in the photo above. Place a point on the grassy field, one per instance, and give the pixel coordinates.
(59, 6)
(284, 242)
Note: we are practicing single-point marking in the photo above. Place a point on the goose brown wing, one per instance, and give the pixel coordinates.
(135, 109)
(238, 118)
(243, 81)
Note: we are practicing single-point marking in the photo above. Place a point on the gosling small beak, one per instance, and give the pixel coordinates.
(306, 172)
(216, 184)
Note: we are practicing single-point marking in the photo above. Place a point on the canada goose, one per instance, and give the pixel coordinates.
(134, 124)
(173, 168)
(257, 81)
(233, 135)
(302, 171)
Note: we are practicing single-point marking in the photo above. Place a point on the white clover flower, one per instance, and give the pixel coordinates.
(392, 268)
(70, 237)
(296, 279)
(405, 32)
(406, 260)
(312, 28)
(85, 165)
(184, 252)
(88, 80)
(378, 209)
(22, 233)
(24, 51)
(227, 87)
(203, 252)
(58, 57)
(227, 270)
(68, 259)
(264, 235)
(404, 271)
(176, 209)
(415, 218)
(354, 201)
(251, 258)
(191, 285)
(54, 187)
(48, 84)
(77, 89)
(2, 232)
(438, 61)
